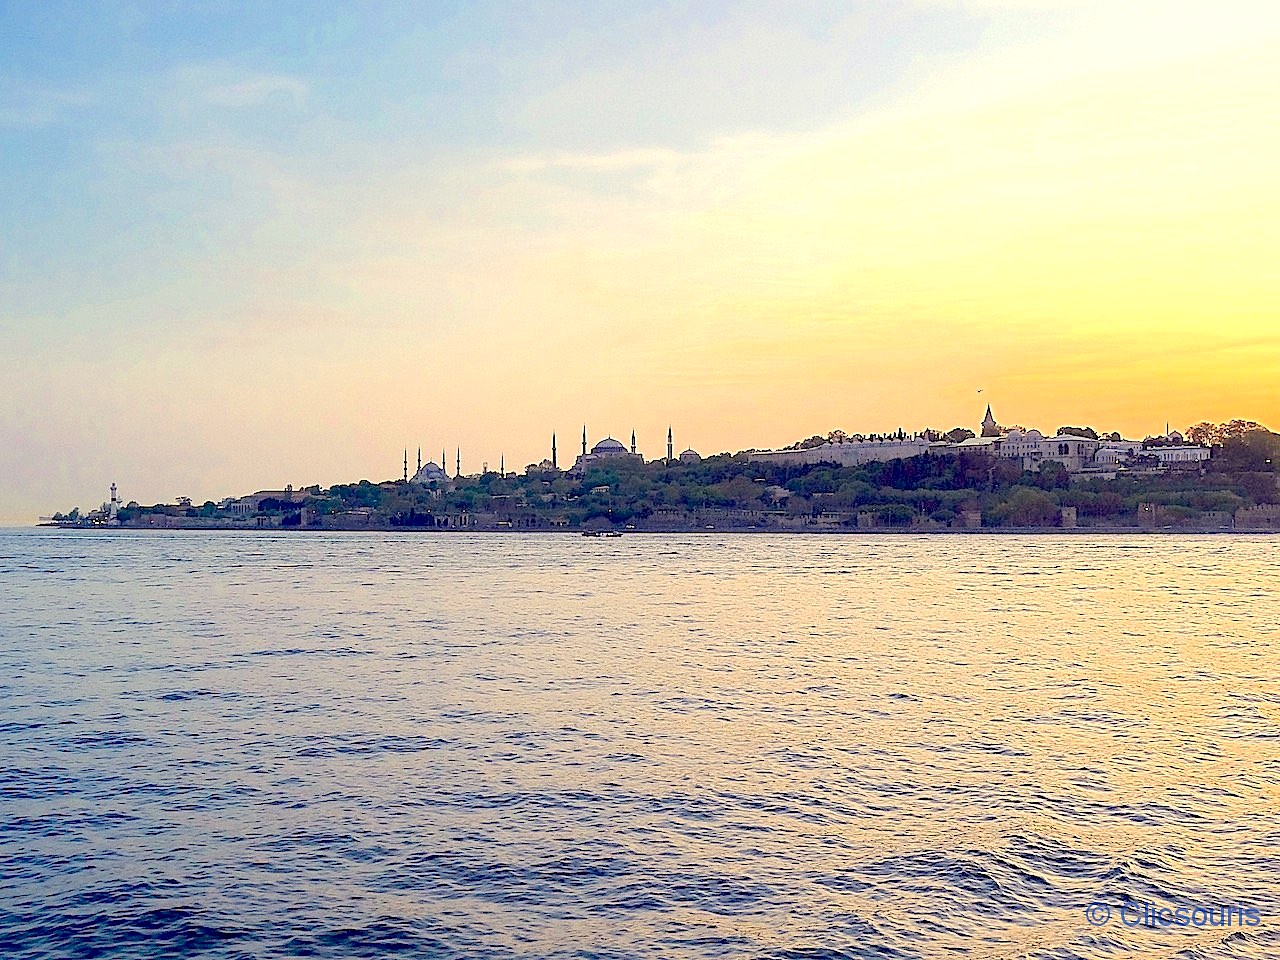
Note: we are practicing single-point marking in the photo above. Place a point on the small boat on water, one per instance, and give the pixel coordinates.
(602, 533)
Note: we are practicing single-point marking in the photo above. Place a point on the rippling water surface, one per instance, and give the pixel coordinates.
(227, 745)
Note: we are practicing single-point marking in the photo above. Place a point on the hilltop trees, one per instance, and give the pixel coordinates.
(1257, 450)
(1087, 432)
(814, 441)
(1203, 432)
(1217, 435)
(725, 490)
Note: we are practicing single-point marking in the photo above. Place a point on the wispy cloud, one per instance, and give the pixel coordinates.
(255, 90)
(22, 106)
(1065, 214)
(1007, 6)
(614, 160)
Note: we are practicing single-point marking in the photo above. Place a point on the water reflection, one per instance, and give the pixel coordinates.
(752, 746)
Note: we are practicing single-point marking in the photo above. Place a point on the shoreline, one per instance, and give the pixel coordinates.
(699, 531)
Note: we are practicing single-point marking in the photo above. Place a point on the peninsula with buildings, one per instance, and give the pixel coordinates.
(1214, 477)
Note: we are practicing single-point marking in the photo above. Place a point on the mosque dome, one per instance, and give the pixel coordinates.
(691, 456)
(430, 473)
(608, 446)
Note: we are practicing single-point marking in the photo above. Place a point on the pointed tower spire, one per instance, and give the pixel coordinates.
(406, 464)
(444, 464)
(458, 467)
(989, 426)
(502, 465)
(670, 449)
(419, 459)
(554, 466)
(633, 443)
(584, 439)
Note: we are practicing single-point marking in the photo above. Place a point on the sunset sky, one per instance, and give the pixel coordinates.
(245, 245)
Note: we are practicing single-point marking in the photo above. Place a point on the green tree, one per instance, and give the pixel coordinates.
(897, 515)
(1087, 432)
(814, 441)
(1053, 475)
(1028, 507)
(798, 506)
(1260, 487)
(1257, 450)
(1236, 429)
(739, 492)
(1203, 432)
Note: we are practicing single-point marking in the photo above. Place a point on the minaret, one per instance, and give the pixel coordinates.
(444, 464)
(419, 460)
(670, 448)
(406, 464)
(458, 471)
(502, 465)
(584, 439)
(633, 443)
(553, 452)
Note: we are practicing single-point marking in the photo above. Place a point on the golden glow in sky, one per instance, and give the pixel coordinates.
(754, 225)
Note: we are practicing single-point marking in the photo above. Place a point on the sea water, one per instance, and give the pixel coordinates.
(261, 745)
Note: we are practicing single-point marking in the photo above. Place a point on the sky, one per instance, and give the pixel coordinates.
(244, 245)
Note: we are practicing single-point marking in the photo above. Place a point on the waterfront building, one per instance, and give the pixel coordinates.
(244, 506)
(1263, 516)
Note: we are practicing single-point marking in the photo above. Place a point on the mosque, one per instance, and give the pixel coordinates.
(606, 450)
(429, 473)
(610, 449)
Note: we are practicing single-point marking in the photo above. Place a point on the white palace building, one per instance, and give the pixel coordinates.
(1077, 454)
